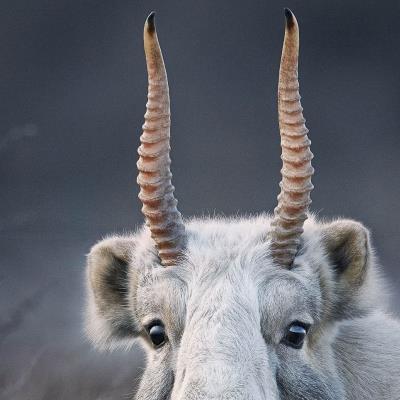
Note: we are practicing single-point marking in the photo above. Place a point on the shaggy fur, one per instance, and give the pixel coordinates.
(226, 307)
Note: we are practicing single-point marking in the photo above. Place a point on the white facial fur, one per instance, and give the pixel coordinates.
(226, 308)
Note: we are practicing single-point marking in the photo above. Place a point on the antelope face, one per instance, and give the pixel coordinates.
(227, 321)
(229, 309)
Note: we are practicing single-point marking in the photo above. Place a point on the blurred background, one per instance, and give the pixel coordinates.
(73, 93)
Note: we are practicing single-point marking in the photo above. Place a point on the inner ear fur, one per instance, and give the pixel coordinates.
(347, 245)
(110, 309)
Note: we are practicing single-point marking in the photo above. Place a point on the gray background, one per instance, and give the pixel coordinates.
(73, 93)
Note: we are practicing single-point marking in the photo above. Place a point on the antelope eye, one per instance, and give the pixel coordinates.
(157, 334)
(295, 335)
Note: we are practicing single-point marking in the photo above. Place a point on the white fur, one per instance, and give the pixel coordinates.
(226, 307)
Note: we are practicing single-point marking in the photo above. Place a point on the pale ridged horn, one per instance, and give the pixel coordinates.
(294, 198)
(156, 191)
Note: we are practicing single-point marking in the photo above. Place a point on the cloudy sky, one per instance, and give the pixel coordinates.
(73, 92)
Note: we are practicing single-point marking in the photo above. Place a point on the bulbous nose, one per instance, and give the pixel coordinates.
(221, 380)
(222, 353)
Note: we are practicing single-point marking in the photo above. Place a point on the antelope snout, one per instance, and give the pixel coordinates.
(223, 381)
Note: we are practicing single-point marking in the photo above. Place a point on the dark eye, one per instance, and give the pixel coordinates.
(157, 334)
(295, 335)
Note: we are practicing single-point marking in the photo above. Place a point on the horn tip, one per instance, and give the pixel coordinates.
(150, 22)
(290, 18)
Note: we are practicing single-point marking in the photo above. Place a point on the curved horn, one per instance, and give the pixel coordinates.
(294, 198)
(156, 191)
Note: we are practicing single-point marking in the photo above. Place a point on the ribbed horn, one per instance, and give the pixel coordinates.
(294, 198)
(156, 191)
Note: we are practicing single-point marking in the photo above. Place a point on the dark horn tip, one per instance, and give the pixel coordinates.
(289, 18)
(150, 21)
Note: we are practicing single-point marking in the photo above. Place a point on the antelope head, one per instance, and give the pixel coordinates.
(229, 308)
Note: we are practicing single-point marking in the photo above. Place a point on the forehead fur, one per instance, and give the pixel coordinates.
(221, 240)
(231, 257)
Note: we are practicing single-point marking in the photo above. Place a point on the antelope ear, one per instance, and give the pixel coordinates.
(110, 314)
(347, 245)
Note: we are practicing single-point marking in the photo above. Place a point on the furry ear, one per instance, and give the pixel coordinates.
(110, 309)
(348, 248)
(347, 245)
